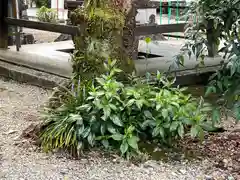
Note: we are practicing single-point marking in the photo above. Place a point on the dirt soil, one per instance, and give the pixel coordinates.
(222, 149)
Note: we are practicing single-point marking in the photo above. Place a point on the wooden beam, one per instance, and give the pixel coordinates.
(3, 24)
(151, 4)
(65, 29)
(15, 9)
(73, 4)
(155, 29)
(156, 4)
(174, 35)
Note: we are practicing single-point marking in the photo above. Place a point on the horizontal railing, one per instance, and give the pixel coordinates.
(65, 29)
(141, 30)
(156, 29)
(73, 30)
(138, 5)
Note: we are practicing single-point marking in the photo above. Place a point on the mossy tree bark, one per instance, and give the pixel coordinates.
(130, 41)
(106, 32)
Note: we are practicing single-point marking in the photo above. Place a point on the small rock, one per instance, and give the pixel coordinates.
(10, 132)
(225, 161)
(2, 174)
(230, 178)
(208, 178)
(182, 171)
(84, 161)
(63, 172)
(150, 164)
(17, 138)
(174, 174)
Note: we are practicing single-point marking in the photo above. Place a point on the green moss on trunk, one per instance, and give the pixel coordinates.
(106, 32)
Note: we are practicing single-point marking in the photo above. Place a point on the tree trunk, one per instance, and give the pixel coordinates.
(129, 39)
(118, 32)
(212, 41)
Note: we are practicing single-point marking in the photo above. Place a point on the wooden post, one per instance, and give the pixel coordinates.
(212, 46)
(3, 24)
(15, 9)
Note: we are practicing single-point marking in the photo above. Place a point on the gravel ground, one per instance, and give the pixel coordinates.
(19, 160)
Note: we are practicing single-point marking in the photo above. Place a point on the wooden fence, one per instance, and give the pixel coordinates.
(6, 21)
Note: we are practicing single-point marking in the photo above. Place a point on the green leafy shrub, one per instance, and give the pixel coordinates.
(114, 115)
(40, 3)
(45, 14)
(217, 21)
(214, 24)
(226, 81)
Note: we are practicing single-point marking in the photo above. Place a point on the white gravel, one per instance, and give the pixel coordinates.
(19, 105)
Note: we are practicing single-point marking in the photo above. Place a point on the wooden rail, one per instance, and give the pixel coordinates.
(155, 29)
(65, 29)
(157, 4)
(72, 4)
(73, 30)
(143, 5)
(5, 21)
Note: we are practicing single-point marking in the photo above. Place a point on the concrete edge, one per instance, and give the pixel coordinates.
(30, 76)
(49, 81)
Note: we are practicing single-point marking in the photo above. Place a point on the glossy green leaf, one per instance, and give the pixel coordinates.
(210, 89)
(180, 130)
(175, 104)
(107, 112)
(156, 131)
(91, 138)
(105, 143)
(162, 132)
(117, 137)
(139, 104)
(79, 121)
(130, 102)
(80, 130)
(103, 129)
(116, 120)
(113, 107)
(158, 107)
(111, 129)
(86, 132)
(133, 142)
(148, 114)
(174, 126)
(194, 131)
(124, 147)
(216, 115)
(164, 113)
(85, 107)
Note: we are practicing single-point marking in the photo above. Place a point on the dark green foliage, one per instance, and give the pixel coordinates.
(214, 22)
(40, 3)
(45, 14)
(114, 115)
(226, 82)
(217, 21)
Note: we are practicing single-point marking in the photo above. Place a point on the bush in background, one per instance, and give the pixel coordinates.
(45, 14)
(40, 3)
(217, 21)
